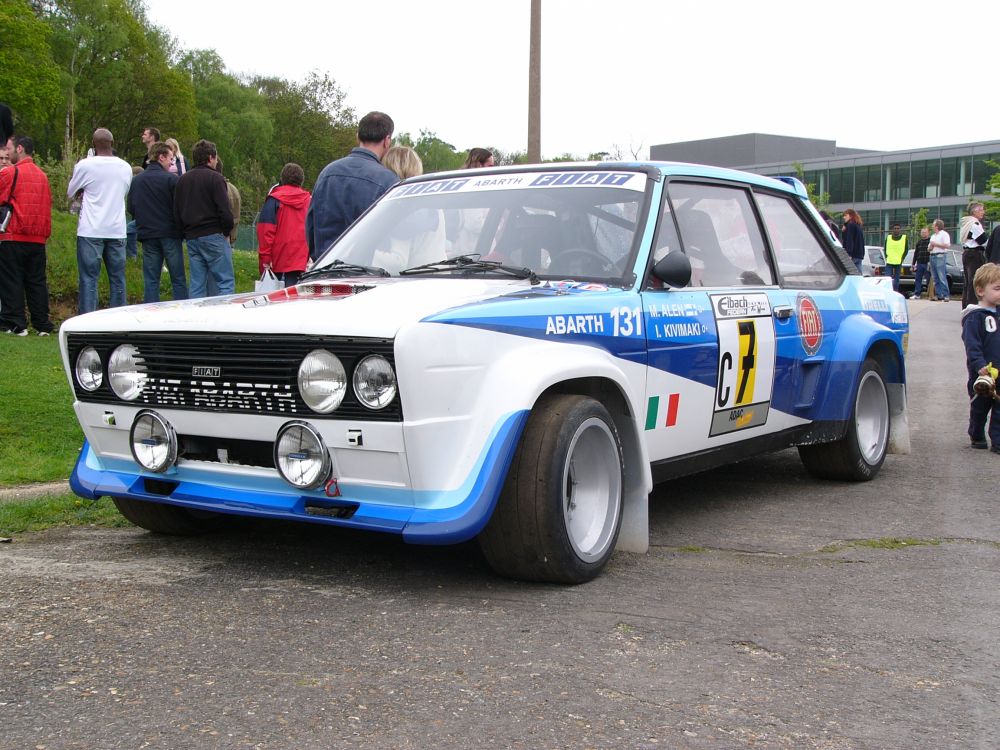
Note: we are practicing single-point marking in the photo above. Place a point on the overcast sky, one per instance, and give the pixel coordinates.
(629, 73)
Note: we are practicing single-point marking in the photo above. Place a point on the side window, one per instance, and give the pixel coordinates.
(802, 262)
(720, 235)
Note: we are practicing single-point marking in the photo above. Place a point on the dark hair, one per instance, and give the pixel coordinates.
(851, 215)
(26, 142)
(477, 158)
(158, 149)
(203, 151)
(292, 174)
(375, 127)
(154, 132)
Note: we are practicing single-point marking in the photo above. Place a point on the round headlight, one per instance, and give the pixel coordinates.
(322, 381)
(89, 372)
(127, 372)
(154, 443)
(301, 456)
(375, 382)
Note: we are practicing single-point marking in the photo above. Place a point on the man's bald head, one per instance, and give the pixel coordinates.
(103, 142)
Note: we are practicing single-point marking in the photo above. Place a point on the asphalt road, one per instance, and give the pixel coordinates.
(760, 618)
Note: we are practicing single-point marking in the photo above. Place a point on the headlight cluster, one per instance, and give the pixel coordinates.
(323, 381)
(126, 371)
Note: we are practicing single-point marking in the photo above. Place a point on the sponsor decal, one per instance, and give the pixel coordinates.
(628, 180)
(810, 324)
(747, 350)
(874, 303)
(563, 325)
(740, 305)
(673, 402)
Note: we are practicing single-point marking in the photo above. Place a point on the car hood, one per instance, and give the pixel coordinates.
(376, 307)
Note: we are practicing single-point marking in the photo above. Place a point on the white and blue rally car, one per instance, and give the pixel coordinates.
(514, 354)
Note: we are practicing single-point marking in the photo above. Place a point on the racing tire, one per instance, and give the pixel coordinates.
(859, 454)
(167, 519)
(560, 510)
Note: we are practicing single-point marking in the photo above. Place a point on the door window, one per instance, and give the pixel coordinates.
(720, 235)
(802, 261)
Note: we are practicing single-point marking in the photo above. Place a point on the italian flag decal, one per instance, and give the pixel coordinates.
(669, 414)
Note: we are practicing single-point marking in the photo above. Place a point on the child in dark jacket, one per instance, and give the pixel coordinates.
(982, 352)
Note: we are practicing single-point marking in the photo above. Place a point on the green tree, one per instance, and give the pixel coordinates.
(918, 220)
(30, 75)
(234, 116)
(993, 188)
(312, 123)
(820, 200)
(116, 73)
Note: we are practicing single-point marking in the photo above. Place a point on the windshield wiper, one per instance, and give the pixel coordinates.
(471, 263)
(340, 268)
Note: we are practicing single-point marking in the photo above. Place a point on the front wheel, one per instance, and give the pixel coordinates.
(560, 510)
(167, 519)
(859, 454)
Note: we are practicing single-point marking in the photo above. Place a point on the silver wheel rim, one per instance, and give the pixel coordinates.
(592, 488)
(871, 418)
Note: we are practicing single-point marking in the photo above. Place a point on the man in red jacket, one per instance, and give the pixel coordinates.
(281, 228)
(22, 246)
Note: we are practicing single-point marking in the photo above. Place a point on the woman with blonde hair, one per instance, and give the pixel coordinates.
(178, 165)
(404, 161)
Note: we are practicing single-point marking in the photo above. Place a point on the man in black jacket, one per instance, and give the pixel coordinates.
(201, 208)
(151, 203)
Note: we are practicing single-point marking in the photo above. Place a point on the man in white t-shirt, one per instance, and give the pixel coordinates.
(100, 235)
(939, 245)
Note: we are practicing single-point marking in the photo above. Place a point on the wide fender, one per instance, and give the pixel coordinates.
(859, 337)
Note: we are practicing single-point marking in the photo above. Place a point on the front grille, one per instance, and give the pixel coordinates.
(236, 374)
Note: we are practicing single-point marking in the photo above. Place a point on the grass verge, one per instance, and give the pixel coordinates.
(24, 516)
(39, 435)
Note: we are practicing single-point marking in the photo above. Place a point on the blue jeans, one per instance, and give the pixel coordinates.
(131, 248)
(918, 278)
(154, 253)
(939, 269)
(90, 252)
(858, 262)
(894, 272)
(211, 260)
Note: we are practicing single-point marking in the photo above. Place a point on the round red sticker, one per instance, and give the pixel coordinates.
(810, 324)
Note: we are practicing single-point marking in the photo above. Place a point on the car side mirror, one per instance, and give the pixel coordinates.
(673, 269)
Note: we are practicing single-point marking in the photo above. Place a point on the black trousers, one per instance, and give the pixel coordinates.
(972, 259)
(22, 279)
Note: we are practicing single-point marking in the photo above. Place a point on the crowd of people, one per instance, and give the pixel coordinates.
(170, 201)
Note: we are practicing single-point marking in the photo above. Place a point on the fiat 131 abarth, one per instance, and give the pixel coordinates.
(514, 355)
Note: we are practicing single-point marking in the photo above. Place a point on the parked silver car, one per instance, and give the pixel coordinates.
(873, 264)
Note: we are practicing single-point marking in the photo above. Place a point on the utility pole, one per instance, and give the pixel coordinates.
(535, 85)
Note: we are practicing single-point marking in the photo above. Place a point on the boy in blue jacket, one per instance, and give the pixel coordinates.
(982, 353)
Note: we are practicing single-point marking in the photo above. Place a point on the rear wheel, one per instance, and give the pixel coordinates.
(167, 519)
(858, 455)
(560, 510)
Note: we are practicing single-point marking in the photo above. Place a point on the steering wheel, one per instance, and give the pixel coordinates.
(580, 260)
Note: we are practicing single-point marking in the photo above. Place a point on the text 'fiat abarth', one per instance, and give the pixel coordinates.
(514, 355)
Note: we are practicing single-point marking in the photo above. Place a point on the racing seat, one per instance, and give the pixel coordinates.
(701, 243)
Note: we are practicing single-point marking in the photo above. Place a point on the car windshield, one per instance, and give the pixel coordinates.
(581, 224)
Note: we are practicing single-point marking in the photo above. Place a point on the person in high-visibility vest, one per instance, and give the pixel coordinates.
(895, 249)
